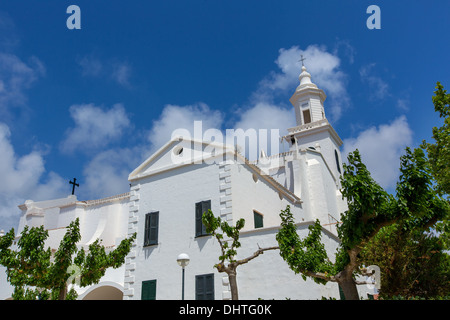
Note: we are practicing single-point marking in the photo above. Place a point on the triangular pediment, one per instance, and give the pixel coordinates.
(179, 152)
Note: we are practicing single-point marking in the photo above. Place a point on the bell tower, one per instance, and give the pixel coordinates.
(313, 131)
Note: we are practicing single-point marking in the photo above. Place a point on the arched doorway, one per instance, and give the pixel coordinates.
(103, 292)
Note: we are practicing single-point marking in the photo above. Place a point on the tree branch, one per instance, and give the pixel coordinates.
(255, 254)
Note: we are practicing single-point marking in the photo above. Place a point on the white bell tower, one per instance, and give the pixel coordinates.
(313, 131)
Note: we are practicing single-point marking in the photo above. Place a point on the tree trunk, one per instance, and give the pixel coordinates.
(63, 292)
(348, 286)
(233, 285)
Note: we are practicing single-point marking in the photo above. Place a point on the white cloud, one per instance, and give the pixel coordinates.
(267, 116)
(182, 117)
(94, 127)
(107, 173)
(23, 177)
(324, 69)
(380, 148)
(118, 71)
(379, 88)
(15, 77)
(121, 73)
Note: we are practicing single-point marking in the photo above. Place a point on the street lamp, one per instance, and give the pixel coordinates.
(183, 261)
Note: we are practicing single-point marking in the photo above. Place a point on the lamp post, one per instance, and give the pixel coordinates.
(183, 261)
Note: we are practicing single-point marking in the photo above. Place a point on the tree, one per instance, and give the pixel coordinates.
(439, 152)
(227, 263)
(36, 272)
(414, 262)
(370, 208)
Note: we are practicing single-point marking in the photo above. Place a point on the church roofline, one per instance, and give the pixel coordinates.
(227, 149)
(135, 174)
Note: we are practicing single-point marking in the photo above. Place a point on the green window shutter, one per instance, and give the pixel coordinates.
(200, 208)
(204, 287)
(148, 290)
(258, 219)
(151, 228)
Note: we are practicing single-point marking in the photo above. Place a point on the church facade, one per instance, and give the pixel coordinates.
(169, 192)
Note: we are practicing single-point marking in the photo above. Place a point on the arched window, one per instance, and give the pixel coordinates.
(337, 161)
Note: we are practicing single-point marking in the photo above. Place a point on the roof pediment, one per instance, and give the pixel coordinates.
(180, 151)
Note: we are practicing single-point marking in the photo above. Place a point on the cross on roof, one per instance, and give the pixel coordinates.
(74, 185)
(302, 59)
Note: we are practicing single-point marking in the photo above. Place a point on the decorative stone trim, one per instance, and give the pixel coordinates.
(130, 264)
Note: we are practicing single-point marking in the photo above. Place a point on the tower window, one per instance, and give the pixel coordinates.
(306, 116)
(337, 161)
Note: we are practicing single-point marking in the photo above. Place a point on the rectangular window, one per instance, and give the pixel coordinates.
(306, 116)
(148, 290)
(151, 228)
(258, 219)
(200, 208)
(204, 287)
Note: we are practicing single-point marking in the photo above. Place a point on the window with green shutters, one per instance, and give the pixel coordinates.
(148, 290)
(200, 208)
(204, 287)
(258, 219)
(151, 228)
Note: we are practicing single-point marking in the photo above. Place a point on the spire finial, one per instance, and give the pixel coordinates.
(302, 59)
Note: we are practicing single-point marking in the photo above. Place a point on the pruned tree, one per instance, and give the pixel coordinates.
(36, 272)
(227, 262)
(370, 208)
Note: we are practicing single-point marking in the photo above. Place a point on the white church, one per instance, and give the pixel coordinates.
(166, 200)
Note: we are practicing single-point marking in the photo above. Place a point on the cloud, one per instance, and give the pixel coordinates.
(94, 127)
(16, 76)
(380, 148)
(118, 71)
(182, 117)
(107, 173)
(324, 69)
(121, 73)
(23, 177)
(379, 89)
(266, 116)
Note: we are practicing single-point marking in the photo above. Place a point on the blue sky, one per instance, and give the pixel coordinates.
(94, 103)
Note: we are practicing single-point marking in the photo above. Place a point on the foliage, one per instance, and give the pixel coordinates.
(306, 255)
(227, 262)
(213, 224)
(36, 272)
(439, 152)
(411, 257)
(370, 208)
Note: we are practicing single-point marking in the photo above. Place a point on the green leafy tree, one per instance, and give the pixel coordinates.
(414, 262)
(439, 154)
(227, 262)
(36, 272)
(370, 208)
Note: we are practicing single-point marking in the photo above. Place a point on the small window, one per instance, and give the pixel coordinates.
(204, 287)
(258, 219)
(200, 208)
(306, 116)
(151, 229)
(148, 290)
(337, 161)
